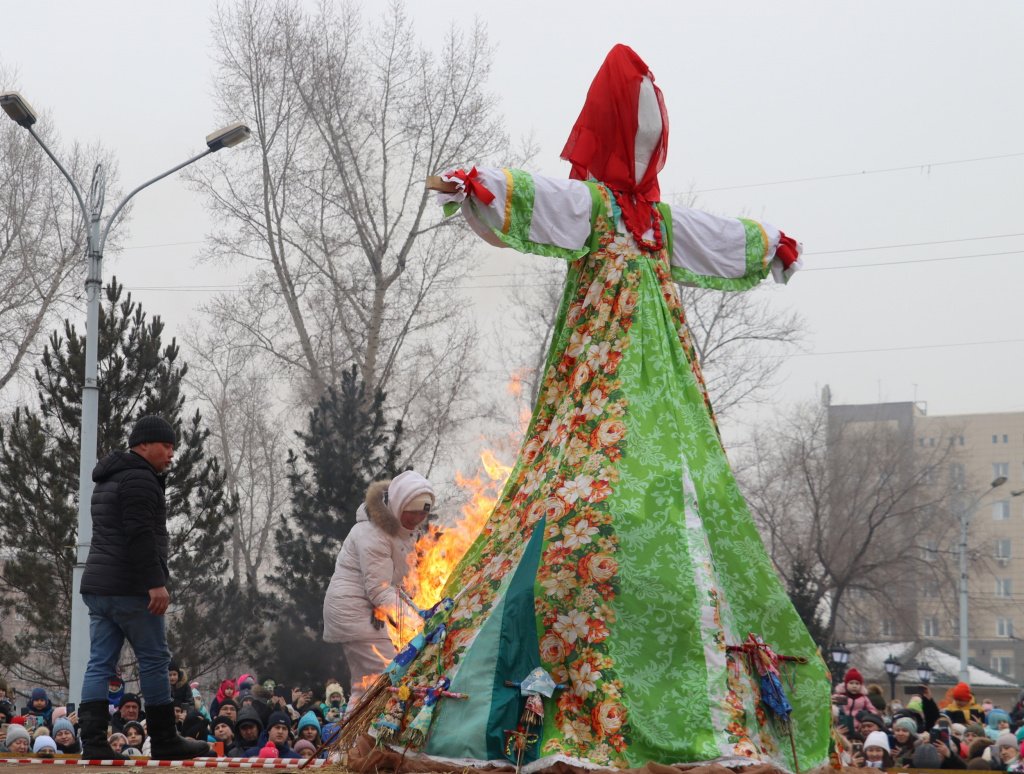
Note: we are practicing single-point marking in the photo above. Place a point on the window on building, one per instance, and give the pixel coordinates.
(1004, 548)
(961, 439)
(995, 439)
(930, 626)
(930, 550)
(888, 628)
(1002, 664)
(1001, 510)
(1004, 627)
(929, 591)
(859, 628)
(1004, 587)
(1006, 438)
(855, 592)
(957, 475)
(920, 442)
(955, 625)
(1000, 469)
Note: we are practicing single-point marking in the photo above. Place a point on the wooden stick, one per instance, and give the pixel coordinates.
(435, 183)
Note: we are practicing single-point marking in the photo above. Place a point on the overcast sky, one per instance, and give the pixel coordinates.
(852, 126)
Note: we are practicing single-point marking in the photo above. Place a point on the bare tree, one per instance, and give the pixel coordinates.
(349, 262)
(741, 342)
(41, 244)
(845, 506)
(250, 438)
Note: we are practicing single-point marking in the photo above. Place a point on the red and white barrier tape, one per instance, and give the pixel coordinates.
(195, 763)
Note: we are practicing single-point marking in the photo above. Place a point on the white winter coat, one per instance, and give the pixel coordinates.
(370, 567)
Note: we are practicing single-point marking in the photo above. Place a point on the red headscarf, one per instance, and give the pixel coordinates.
(602, 142)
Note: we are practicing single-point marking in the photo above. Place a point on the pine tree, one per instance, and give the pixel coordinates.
(347, 446)
(39, 453)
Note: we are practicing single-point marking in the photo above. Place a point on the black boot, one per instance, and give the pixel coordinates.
(164, 740)
(94, 717)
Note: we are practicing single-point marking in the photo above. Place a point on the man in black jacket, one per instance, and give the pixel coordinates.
(125, 588)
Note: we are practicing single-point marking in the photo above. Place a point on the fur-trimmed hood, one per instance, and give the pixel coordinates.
(376, 511)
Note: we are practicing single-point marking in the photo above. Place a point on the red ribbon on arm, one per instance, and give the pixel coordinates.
(787, 251)
(473, 186)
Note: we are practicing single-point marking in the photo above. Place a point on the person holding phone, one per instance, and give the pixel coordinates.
(125, 588)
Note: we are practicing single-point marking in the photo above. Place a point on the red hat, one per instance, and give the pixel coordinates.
(18, 720)
(961, 692)
(269, 750)
(602, 142)
(853, 674)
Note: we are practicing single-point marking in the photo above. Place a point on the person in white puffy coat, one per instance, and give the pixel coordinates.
(371, 567)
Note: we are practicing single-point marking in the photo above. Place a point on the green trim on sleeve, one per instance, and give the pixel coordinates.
(756, 259)
(518, 236)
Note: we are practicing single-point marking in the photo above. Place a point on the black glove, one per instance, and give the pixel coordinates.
(376, 622)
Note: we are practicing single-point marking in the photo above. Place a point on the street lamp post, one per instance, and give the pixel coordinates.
(21, 112)
(924, 672)
(840, 657)
(965, 519)
(892, 668)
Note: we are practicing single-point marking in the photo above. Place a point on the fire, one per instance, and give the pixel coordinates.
(440, 549)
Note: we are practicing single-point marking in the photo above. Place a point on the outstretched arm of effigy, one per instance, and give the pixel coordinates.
(709, 251)
(512, 208)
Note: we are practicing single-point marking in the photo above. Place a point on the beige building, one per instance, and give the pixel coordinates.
(976, 450)
(989, 447)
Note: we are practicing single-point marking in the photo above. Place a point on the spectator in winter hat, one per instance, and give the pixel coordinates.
(868, 722)
(851, 697)
(118, 742)
(64, 736)
(40, 706)
(229, 709)
(181, 691)
(45, 747)
(960, 705)
(334, 706)
(135, 734)
(876, 751)
(129, 709)
(248, 729)
(997, 722)
(309, 728)
(7, 711)
(224, 731)
(904, 732)
(1008, 749)
(305, 748)
(278, 728)
(926, 757)
(18, 739)
(225, 691)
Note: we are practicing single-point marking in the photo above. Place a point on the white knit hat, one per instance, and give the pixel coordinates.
(877, 739)
(409, 491)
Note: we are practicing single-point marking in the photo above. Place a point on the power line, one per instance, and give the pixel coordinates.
(505, 286)
(862, 173)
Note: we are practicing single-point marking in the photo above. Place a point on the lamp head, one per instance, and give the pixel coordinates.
(228, 137)
(17, 107)
(998, 481)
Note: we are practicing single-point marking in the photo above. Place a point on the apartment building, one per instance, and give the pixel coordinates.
(974, 466)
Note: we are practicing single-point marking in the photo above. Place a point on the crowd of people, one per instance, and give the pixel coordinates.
(250, 719)
(244, 719)
(956, 732)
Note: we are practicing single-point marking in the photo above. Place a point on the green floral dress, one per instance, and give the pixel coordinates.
(621, 556)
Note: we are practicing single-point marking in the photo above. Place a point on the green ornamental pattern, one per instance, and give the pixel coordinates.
(649, 562)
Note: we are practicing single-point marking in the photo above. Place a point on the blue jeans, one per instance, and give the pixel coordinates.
(112, 620)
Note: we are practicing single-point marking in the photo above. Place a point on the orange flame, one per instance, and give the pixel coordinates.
(440, 549)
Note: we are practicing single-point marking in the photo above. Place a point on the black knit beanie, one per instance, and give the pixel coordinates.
(151, 429)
